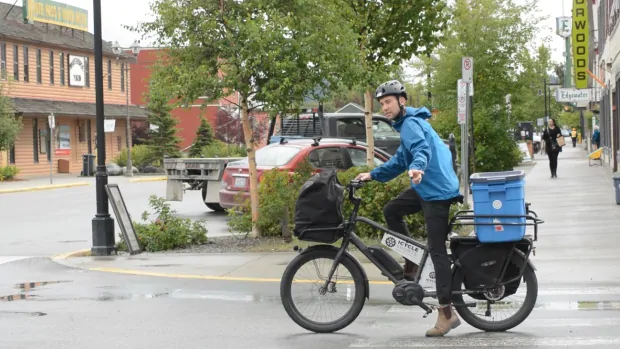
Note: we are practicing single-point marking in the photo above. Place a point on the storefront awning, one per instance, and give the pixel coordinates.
(28, 106)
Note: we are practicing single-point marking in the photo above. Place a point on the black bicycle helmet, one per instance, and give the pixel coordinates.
(390, 88)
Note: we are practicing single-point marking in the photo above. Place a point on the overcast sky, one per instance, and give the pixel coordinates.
(116, 13)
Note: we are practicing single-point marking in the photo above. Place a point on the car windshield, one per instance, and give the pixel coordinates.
(275, 156)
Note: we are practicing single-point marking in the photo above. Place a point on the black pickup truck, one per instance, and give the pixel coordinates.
(315, 123)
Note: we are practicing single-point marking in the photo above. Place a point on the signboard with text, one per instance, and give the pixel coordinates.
(52, 12)
(76, 70)
(573, 95)
(580, 42)
(563, 26)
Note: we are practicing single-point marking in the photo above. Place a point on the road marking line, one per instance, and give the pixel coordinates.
(42, 187)
(149, 179)
(66, 255)
(499, 341)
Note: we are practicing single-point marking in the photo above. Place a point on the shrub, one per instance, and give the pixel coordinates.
(8, 172)
(141, 156)
(276, 193)
(219, 149)
(204, 137)
(166, 232)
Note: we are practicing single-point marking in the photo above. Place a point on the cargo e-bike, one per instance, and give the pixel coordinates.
(486, 272)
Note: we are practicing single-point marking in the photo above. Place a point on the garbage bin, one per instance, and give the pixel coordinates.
(88, 165)
(617, 186)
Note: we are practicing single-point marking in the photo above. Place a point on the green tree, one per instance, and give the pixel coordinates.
(271, 53)
(10, 125)
(162, 138)
(498, 34)
(390, 32)
(204, 137)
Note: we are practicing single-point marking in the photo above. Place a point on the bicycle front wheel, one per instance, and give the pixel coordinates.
(343, 298)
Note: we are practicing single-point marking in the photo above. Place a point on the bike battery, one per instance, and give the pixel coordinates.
(387, 261)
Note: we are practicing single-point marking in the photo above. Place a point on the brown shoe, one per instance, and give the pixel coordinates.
(446, 321)
(410, 269)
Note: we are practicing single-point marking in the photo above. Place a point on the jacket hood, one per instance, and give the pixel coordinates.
(411, 112)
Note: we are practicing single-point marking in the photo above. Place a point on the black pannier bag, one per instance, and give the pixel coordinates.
(483, 264)
(318, 210)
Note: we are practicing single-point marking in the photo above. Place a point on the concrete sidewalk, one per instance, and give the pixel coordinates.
(27, 184)
(581, 228)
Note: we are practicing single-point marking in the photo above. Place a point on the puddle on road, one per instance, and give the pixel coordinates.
(104, 294)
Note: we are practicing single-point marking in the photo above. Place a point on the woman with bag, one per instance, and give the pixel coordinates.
(554, 141)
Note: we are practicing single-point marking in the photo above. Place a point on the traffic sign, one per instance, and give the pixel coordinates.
(467, 69)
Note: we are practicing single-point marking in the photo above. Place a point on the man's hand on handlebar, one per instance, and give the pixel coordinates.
(364, 177)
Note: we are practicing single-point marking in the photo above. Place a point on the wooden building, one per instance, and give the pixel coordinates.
(47, 68)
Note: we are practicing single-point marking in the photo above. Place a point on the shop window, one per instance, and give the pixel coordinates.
(12, 155)
(82, 131)
(43, 142)
(26, 60)
(39, 78)
(63, 138)
(51, 67)
(35, 140)
(15, 63)
(122, 77)
(62, 68)
(109, 74)
(2, 61)
(86, 72)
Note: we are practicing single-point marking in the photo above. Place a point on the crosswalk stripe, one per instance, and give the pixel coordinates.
(503, 342)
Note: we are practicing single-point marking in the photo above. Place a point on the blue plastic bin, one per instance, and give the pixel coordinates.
(499, 193)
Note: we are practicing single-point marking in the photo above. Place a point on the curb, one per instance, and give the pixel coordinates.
(80, 253)
(59, 258)
(43, 187)
(152, 179)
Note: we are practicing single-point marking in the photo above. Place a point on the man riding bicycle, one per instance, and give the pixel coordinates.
(433, 190)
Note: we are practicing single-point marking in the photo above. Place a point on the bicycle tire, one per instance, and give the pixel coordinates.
(327, 327)
(531, 282)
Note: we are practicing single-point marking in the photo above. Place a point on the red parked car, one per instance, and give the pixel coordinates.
(341, 154)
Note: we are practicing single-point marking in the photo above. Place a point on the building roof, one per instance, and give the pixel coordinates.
(351, 108)
(29, 106)
(12, 26)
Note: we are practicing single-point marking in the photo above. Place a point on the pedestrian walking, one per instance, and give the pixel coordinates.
(552, 136)
(573, 136)
(596, 138)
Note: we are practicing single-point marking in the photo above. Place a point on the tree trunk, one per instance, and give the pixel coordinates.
(284, 221)
(370, 140)
(249, 143)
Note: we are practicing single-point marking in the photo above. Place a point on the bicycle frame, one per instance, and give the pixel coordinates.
(351, 237)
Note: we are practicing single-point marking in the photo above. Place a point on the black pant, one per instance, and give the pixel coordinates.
(574, 141)
(553, 161)
(437, 216)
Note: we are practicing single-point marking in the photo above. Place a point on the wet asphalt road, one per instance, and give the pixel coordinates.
(43, 223)
(87, 309)
(578, 304)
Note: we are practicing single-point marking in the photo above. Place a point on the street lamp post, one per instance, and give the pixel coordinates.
(103, 223)
(117, 50)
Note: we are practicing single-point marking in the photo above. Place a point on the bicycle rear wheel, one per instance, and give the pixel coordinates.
(352, 303)
(483, 317)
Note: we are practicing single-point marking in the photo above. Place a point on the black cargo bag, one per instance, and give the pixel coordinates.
(318, 210)
(483, 264)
